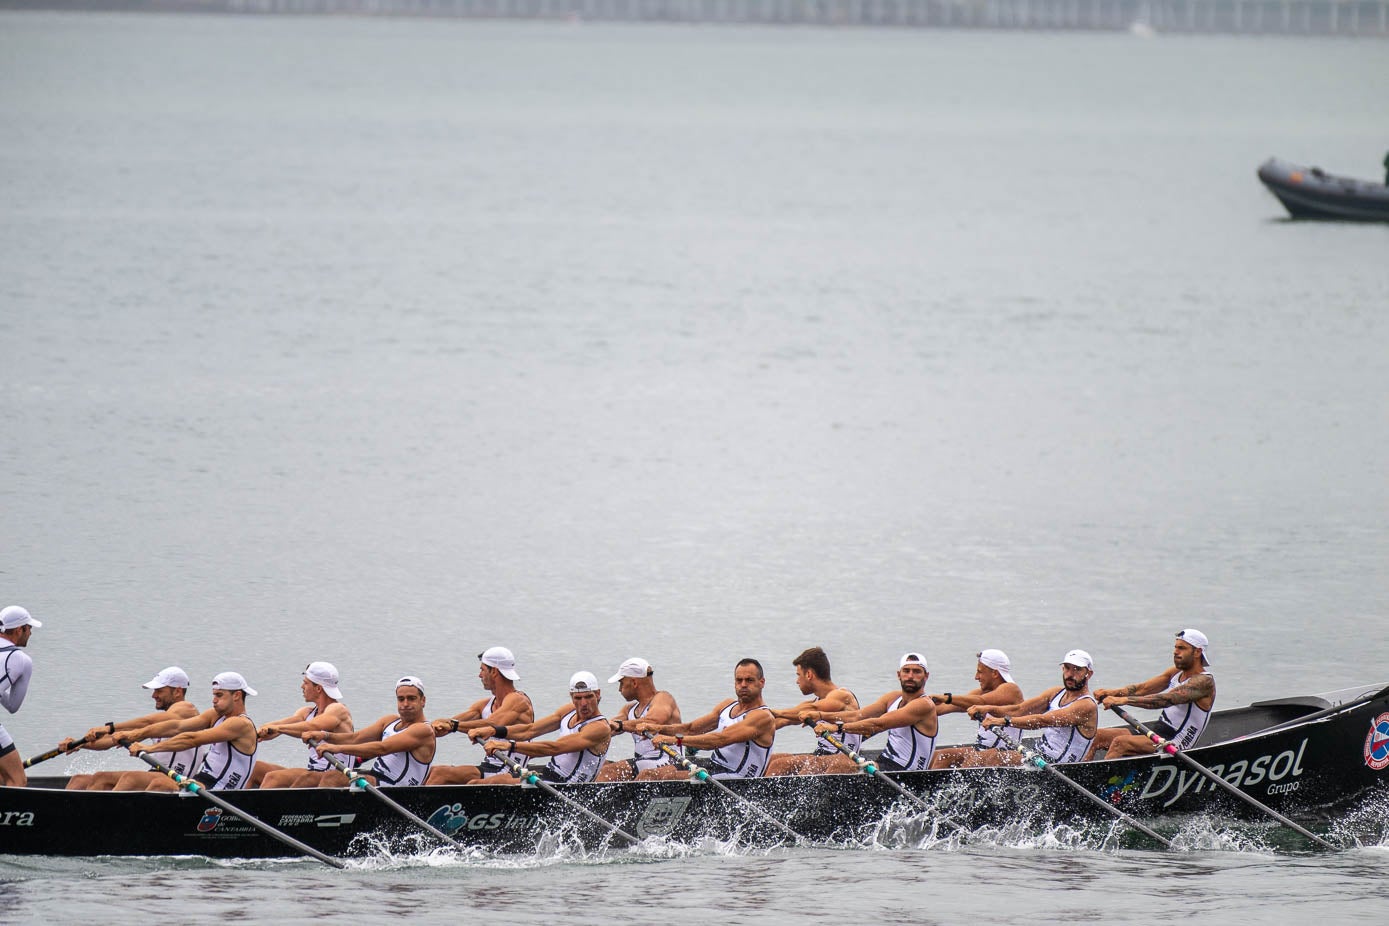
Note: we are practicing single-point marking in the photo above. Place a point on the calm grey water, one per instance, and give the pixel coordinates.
(384, 341)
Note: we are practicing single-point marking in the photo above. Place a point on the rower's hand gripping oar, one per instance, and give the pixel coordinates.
(1165, 746)
(702, 775)
(357, 781)
(55, 752)
(531, 779)
(1033, 758)
(188, 784)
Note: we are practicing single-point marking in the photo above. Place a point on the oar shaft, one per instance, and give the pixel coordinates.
(357, 780)
(872, 770)
(1137, 726)
(189, 784)
(704, 776)
(54, 752)
(532, 778)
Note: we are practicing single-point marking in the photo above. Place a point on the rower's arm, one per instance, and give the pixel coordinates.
(1082, 713)
(173, 726)
(229, 729)
(917, 711)
(103, 737)
(1154, 684)
(756, 725)
(518, 731)
(407, 740)
(593, 737)
(696, 727)
(1196, 688)
(329, 720)
(351, 737)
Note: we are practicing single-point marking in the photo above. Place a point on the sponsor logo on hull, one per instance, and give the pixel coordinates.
(661, 815)
(452, 819)
(328, 820)
(1377, 743)
(1278, 773)
(17, 818)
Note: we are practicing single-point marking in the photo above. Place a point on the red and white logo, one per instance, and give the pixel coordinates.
(1377, 743)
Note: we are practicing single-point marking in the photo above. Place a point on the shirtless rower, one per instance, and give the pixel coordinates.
(169, 692)
(401, 743)
(504, 706)
(575, 756)
(16, 626)
(813, 679)
(996, 686)
(635, 682)
(1067, 716)
(1185, 693)
(224, 728)
(907, 715)
(740, 730)
(324, 712)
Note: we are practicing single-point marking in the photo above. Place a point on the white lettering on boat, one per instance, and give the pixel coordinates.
(1242, 773)
(17, 818)
(449, 819)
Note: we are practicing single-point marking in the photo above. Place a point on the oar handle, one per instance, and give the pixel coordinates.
(353, 777)
(866, 765)
(697, 772)
(57, 751)
(528, 778)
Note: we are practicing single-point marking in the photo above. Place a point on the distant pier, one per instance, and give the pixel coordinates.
(1240, 17)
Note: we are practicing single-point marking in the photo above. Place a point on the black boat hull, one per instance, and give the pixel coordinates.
(1299, 768)
(1311, 193)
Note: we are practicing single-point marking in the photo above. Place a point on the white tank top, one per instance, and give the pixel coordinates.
(228, 767)
(1064, 744)
(491, 765)
(647, 754)
(739, 760)
(907, 746)
(319, 763)
(576, 767)
(852, 740)
(398, 769)
(186, 762)
(996, 737)
(1186, 720)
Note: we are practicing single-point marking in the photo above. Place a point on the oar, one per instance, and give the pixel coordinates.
(703, 775)
(55, 752)
(1171, 750)
(1032, 757)
(531, 778)
(358, 781)
(188, 784)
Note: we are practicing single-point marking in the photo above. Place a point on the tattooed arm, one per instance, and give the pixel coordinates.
(1196, 688)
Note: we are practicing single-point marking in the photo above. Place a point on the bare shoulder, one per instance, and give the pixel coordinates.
(182, 710)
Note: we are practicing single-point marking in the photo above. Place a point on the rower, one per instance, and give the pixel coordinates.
(323, 712)
(740, 730)
(16, 627)
(907, 715)
(224, 728)
(1067, 716)
(402, 743)
(505, 706)
(1185, 693)
(169, 689)
(635, 682)
(996, 686)
(575, 756)
(813, 679)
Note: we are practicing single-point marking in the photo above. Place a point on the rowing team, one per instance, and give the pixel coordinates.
(217, 747)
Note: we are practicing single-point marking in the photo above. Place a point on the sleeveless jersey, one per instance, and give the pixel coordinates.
(319, 763)
(739, 760)
(15, 666)
(398, 769)
(575, 767)
(645, 753)
(186, 762)
(1186, 720)
(227, 767)
(852, 740)
(493, 765)
(996, 737)
(1063, 744)
(907, 746)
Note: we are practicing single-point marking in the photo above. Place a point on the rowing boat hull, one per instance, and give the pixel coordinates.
(1299, 768)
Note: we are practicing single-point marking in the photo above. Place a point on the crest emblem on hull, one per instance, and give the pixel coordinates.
(661, 815)
(210, 820)
(1377, 743)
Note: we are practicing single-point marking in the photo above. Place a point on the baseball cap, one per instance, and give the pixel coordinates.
(172, 677)
(325, 675)
(1197, 639)
(1078, 657)
(912, 659)
(413, 681)
(500, 658)
(583, 681)
(997, 660)
(14, 616)
(636, 667)
(232, 681)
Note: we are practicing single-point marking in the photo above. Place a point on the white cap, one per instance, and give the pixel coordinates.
(172, 677)
(1197, 639)
(500, 658)
(583, 681)
(14, 616)
(414, 681)
(232, 681)
(997, 660)
(1078, 657)
(325, 676)
(912, 659)
(636, 667)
